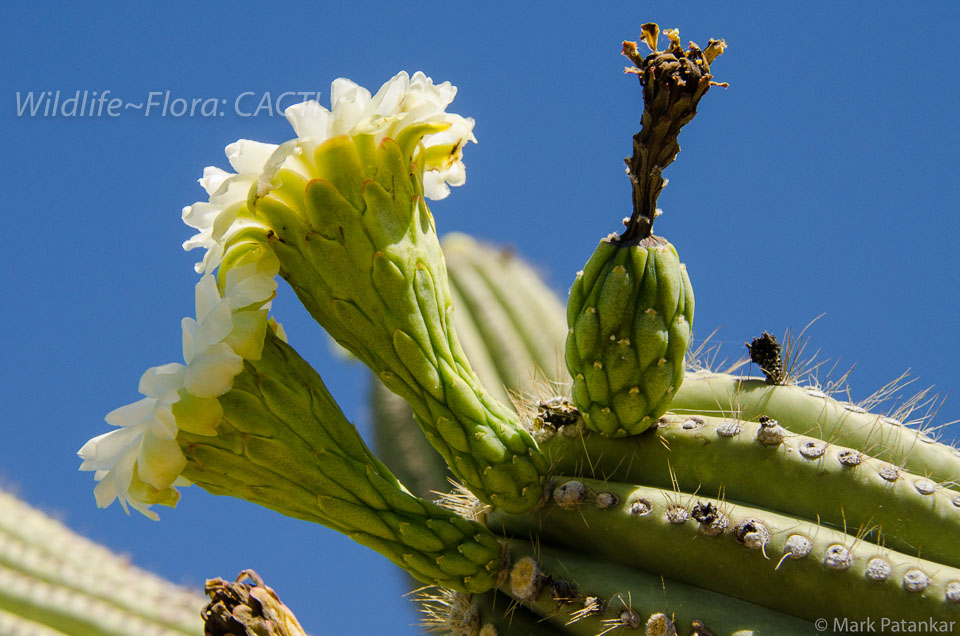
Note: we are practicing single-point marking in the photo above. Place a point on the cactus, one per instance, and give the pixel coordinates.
(54, 582)
(633, 496)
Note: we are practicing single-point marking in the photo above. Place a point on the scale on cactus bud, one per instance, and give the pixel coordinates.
(630, 311)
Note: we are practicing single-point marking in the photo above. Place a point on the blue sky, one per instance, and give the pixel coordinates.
(821, 182)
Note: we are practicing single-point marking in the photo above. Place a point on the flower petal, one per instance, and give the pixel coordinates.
(248, 156)
(158, 381)
(131, 414)
(160, 461)
(200, 416)
(211, 373)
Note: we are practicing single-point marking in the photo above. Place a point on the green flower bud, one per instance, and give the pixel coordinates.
(630, 315)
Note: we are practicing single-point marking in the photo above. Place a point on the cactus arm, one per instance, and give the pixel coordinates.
(493, 613)
(532, 309)
(498, 331)
(42, 562)
(628, 598)
(284, 444)
(12, 623)
(652, 529)
(520, 361)
(508, 619)
(72, 611)
(798, 476)
(358, 245)
(809, 411)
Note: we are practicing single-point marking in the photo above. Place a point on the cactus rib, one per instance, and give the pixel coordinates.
(744, 552)
(358, 245)
(798, 475)
(586, 596)
(809, 411)
(284, 443)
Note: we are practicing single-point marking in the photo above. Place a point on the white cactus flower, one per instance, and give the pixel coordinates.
(401, 103)
(140, 461)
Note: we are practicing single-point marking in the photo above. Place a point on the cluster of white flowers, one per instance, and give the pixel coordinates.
(401, 103)
(140, 462)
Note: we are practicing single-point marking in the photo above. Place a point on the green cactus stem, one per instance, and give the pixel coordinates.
(358, 245)
(507, 299)
(809, 411)
(587, 596)
(766, 466)
(54, 581)
(780, 562)
(515, 349)
(284, 443)
(493, 613)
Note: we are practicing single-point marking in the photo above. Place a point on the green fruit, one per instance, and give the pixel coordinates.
(629, 317)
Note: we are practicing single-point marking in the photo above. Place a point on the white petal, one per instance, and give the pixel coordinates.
(131, 414)
(158, 381)
(252, 289)
(200, 215)
(309, 119)
(207, 296)
(106, 491)
(211, 373)
(434, 186)
(388, 98)
(188, 331)
(213, 177)
(210, 260)
(200, 239)
(247, 156)
(164, 424)
(287, 153)
(214, 328)
(144, 509)
(102, 452)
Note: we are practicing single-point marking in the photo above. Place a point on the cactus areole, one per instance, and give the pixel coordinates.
(635, 495)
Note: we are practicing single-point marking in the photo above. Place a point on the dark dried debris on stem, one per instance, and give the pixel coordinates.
(765, 352)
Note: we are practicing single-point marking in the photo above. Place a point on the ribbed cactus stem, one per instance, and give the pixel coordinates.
(585, 596)
(781, 471)
(531, 310)
(15, 625)
(284, 444)
(789, 565)
(512, 350)
(493, 613)
(55, 577)
(358, 245)
(72, 611)
(809, 411)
